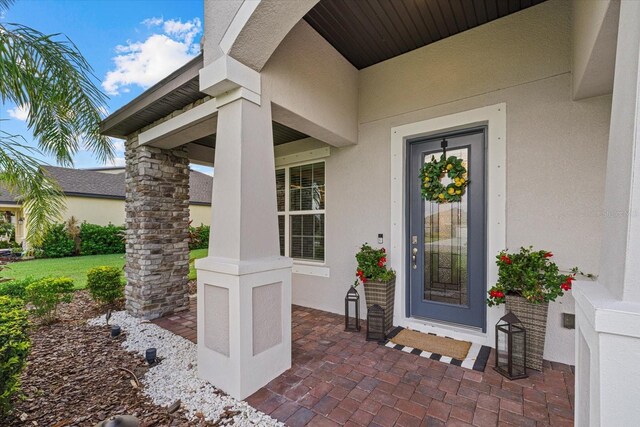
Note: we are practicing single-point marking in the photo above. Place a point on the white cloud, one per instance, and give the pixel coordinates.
(143, 63)
(117, 161)
(19, 113)
(118, 145)
(152, 22)
(185, 31)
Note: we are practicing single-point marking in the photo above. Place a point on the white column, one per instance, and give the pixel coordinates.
(244, 285)
(608, 312)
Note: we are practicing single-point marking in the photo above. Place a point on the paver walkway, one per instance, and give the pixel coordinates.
(338, 378)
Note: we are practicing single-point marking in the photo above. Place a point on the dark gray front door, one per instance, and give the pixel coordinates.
(446, 242)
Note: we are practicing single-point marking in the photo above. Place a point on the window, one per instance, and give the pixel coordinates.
(300, 194)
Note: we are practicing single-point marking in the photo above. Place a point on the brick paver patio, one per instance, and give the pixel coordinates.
(338, 378)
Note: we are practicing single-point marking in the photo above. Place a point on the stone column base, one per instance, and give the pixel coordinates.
(607, 358)
(244, 322)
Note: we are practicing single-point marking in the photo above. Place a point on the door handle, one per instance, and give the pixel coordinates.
(414, 253)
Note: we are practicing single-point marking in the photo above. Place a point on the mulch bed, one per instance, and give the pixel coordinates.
(77, 375)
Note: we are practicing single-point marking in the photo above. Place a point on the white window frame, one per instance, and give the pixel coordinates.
(287, 213)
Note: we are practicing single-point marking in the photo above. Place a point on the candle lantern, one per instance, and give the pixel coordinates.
(352, 302)
(511, 347)
(375, 324)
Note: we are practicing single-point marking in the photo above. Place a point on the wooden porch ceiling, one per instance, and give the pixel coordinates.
(281, 135)
(367, 32)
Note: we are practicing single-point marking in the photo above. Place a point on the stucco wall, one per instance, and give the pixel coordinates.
(322, 92)
(556, 148)
(105, 211)
(95, 210)
(200, 214)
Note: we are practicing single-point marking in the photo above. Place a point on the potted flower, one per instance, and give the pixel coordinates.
(527, 281)
(379, 282)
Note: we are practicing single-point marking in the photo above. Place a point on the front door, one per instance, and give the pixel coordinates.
(446, 241)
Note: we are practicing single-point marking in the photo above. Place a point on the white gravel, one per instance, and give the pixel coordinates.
(176, 377)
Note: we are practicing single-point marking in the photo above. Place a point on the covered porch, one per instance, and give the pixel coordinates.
(337, 95)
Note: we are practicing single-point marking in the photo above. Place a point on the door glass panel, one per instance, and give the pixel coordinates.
(445, 244)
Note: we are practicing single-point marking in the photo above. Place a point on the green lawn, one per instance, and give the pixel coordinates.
(76, 267)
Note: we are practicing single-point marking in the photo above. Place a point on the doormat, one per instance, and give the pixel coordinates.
(444, 349)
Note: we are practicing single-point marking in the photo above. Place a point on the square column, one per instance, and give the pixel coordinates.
(157, 233)
(608, 312)
(244, 285)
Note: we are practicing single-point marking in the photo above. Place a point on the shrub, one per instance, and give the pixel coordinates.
(105, 284)
(16, 288)
(199, 237)
(46, 294)
(14, 347)
(100, 240)
(56, 243)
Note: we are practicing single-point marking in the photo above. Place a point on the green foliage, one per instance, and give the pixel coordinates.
(101, 240)
(48, 75)
(16, 288)
(529, 274)
(432, 173)
(56, 242)
(371, 265)
(14, 348)
(6, 228)
(105, 284)
(4, 244)
(62, 240)
(46, 294)
(199, 237)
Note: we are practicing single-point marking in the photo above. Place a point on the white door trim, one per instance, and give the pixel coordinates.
(495, 118)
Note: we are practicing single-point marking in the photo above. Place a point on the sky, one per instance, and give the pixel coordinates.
(131, 44)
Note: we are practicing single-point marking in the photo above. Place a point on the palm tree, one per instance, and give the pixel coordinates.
(49, 76)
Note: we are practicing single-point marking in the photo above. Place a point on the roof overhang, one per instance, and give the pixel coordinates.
(172, 93)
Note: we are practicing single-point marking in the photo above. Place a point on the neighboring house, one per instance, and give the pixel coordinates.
(318, 114)
(97, 196)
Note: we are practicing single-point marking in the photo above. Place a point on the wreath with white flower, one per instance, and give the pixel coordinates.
(431, 175)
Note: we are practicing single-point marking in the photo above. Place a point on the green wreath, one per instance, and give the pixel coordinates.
(431, 175)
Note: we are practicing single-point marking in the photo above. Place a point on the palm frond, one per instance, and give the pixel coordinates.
(6, 4)
(22, 175)
(48, 75)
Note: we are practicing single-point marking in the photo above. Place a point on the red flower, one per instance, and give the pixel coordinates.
(380, 263)
(548, 255)
(383, 259)
(566, 286)
(383, 251)
(499, 294)
(505, 259)
(364, 279)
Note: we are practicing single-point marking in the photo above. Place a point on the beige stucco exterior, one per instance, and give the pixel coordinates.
(103, 211)
(94, 210)
(556, 148)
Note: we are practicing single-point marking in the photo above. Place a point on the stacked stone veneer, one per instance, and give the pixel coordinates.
(157, 219)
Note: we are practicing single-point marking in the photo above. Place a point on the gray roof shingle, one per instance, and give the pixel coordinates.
(92, 183)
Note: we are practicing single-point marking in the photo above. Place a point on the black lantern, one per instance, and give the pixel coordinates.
(151, 356)
(115, 331)
(511, 347)
(375, 324)
(352, 298)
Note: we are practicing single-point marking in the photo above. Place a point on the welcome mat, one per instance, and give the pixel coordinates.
(444, 349)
